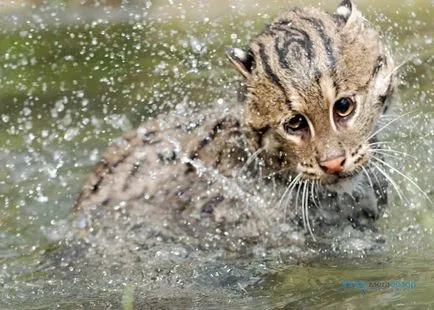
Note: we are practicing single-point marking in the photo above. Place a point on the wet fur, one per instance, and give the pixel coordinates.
(217, 183)
(302, 63)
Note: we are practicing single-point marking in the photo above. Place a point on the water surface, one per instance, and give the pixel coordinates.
(74, 78)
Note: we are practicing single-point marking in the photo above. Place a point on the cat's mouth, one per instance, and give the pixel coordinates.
(336, 179)
(332, 179)
(344, 182)
(344, 178)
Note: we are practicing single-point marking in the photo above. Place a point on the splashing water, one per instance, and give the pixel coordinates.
(74, 78)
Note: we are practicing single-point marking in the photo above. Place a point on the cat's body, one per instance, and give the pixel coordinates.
(294, 154)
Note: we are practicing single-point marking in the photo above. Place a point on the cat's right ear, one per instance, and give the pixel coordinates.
(242, 60)
(351, 16)
(345, 9)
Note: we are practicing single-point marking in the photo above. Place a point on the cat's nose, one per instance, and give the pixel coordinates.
(334, 165)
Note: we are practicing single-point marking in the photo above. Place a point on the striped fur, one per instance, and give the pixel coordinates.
(215, 178)
(302, 63)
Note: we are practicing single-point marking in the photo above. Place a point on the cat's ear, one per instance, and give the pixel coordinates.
(241, 59)
(351, 16)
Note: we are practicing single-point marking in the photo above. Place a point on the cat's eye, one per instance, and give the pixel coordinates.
(344, 107)
(295, 123)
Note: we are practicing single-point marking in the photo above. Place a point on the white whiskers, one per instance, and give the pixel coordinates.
(400, 66)
(377, 151)
(387, 125)
(303, 208)
(305, 190)
(386, 151)
(309, 228)
(296, 198)
(367, 175)
(382, 149)
(288, 192)
(391, 181)
(252, 158)
(403, 175)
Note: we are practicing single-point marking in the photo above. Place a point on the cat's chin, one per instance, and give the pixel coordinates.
(340, 185)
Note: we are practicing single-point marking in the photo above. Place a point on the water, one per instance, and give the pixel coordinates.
(74, 79)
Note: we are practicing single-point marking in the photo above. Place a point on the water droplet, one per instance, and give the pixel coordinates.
(5, 118)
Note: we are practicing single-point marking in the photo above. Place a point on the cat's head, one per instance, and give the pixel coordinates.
(316, 85)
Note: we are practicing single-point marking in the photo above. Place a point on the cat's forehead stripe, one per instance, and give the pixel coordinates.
(267, 67)
(292, 35)
(289, 50)
(326, 39)
(301, 53)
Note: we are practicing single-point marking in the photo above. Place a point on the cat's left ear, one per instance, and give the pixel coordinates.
(241, 59)
(351, 16)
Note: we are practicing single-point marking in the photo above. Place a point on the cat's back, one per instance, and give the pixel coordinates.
(157, 159)
(195, 174)
(177, 178)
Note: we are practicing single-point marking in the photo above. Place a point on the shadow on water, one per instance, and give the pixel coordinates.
(71, 80)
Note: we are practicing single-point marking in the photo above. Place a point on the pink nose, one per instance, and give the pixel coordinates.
(334, 165)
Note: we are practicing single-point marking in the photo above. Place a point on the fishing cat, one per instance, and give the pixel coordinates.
(297, 153)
